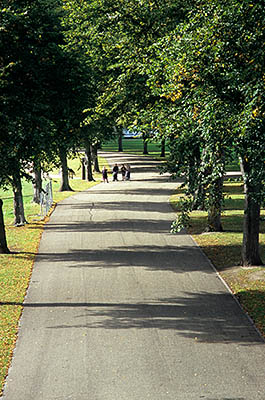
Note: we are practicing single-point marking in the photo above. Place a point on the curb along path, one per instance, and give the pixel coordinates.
(119, 309)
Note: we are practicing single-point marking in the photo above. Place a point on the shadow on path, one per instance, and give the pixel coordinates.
(195, 316)
(130, 225)
(181, 259)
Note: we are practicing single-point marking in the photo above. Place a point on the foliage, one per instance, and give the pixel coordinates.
(209, 73)
(29, 44)
(185, 206)
(117, 36)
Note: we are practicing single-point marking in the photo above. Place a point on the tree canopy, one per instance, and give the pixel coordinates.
(191, 73)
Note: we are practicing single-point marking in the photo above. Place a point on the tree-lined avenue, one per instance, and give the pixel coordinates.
(119, 309)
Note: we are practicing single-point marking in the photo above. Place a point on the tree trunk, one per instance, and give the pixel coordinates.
(37, 184)
(145, 151)
(163, 148)
(214, 220)
(95, 158)
(65, 186)
(83, 166)
(18, 201)
(215, 207)
(120, 146)
(88, 162)
(250, 246)
(3, 243)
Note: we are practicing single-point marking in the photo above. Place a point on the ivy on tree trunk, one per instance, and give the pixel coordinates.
(214, 220)
(215, 207)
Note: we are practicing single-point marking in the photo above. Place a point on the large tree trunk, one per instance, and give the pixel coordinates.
(88, 161)
(3, 243)
(37, 184)
(18, 201)
(95, 158)
(163, 148)
(145, 150)
(65, 186)
(215, 208)
(250, 246)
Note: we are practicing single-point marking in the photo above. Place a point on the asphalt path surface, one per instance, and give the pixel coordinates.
(120, 309)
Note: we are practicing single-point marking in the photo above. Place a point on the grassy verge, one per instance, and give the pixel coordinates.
(16, 268)
(224, 249)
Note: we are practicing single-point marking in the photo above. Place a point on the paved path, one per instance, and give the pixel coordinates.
(119, 309)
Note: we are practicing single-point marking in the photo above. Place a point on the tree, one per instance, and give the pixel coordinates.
(233, 70)
(82, 23)
(117, 36)
(30, 36)
(120, 137)
(214, 72)
(163, 148)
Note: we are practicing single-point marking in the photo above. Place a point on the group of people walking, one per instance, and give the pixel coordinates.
(124, 169)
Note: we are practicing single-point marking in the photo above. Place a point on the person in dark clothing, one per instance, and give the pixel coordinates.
(115, 171)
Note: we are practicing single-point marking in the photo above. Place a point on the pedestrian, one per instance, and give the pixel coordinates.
(128, 172)
(115, 171)
(105, 175)
(123, 171)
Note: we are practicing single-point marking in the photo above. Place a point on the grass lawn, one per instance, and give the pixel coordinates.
(224, 249)
(133, 146)
(16, 268)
